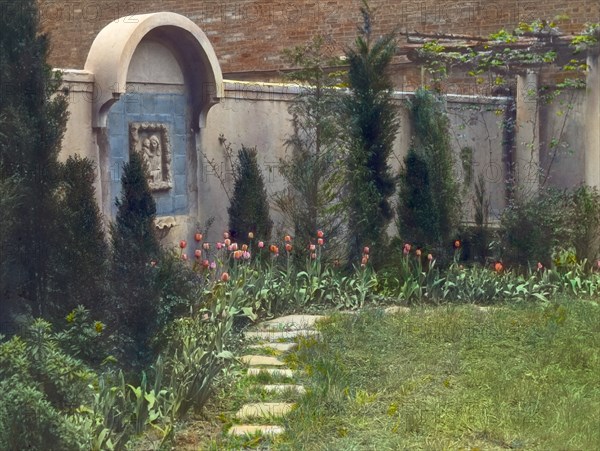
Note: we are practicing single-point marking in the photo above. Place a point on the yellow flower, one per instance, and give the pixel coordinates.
(98, 326)
(71, 317)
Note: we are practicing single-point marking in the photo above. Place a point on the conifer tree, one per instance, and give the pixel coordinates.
(372, 122)
(32, 123)
(430, 218)
(135, 247)
(313, 168)
(249, 207)
(81, 262)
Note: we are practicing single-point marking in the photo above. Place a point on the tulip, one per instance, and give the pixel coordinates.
(418, 252)
(206, 246)
(457, 244)
(320, 234)
(313, 255)
(238, 254)
(182, 244)
(320, 241)
(219, 246)
(227, 242)
(261, 244)
(213, 265)
(366, 250)
(205, 263)
(244, 247)
(287, 239)
(225, 277)
(198, 253)
(246, 255)
(498, 267)
(429, 257)
(250, 235)
(540, 266)
(233, 247)
(198, 237)
(288, 247)
(312, 247)
(225, 234)
(364, 261)
(274, 249)
(184, 257)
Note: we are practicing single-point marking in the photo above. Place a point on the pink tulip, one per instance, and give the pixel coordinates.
(261, 244)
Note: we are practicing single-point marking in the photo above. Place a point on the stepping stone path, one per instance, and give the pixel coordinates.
(274, 335)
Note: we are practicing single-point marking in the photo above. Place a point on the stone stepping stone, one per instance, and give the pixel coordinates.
(396, 309)
(282, 347)
(261, 360)
(264, 409)
(275, 372)
(279, 335)
(291, 322)
(250, 429)
(283, 388)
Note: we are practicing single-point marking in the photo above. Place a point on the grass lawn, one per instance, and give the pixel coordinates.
(525, 377)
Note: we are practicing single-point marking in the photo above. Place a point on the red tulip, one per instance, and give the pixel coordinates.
(320, 234)
(457, 244)
(198, 253)
(182, 244)
(320, 241)
(205, 263)
(498, 267)
(198, 237)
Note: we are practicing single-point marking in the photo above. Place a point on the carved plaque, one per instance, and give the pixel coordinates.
(151, 141)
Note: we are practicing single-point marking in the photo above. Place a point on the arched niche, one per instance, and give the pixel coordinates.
(112, 51)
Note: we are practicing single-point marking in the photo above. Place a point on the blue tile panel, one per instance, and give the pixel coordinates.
(168, 109)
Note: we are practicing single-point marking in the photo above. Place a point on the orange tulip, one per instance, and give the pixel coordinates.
(498, 267)
(456, 244)
(225, 277)
(287, 239)
(288, 247)
(198, 237)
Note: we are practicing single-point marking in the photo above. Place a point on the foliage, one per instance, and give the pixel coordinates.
(249, 206)
(32, 123)
(532, 228)
(372, 124)
(312, 168)
(82, 261)
(429, 206)
(585, 220)
(135, 247)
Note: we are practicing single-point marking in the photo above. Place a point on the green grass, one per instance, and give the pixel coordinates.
(515, 377)
(452, 378)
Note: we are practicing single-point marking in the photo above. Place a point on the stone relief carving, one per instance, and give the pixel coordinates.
(151, 141)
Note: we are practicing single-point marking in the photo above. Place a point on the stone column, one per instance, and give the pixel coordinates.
(527, 134)
(592, 122)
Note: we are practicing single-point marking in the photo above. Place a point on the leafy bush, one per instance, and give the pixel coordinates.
(531, 229)
(585, 221)
(249, 208)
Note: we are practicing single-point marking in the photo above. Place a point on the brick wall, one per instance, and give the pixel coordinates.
(248, 35)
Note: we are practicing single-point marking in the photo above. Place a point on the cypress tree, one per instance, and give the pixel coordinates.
(372, 121)
(32, 124)
(135, 247)
(249, 207)
(82, 260)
